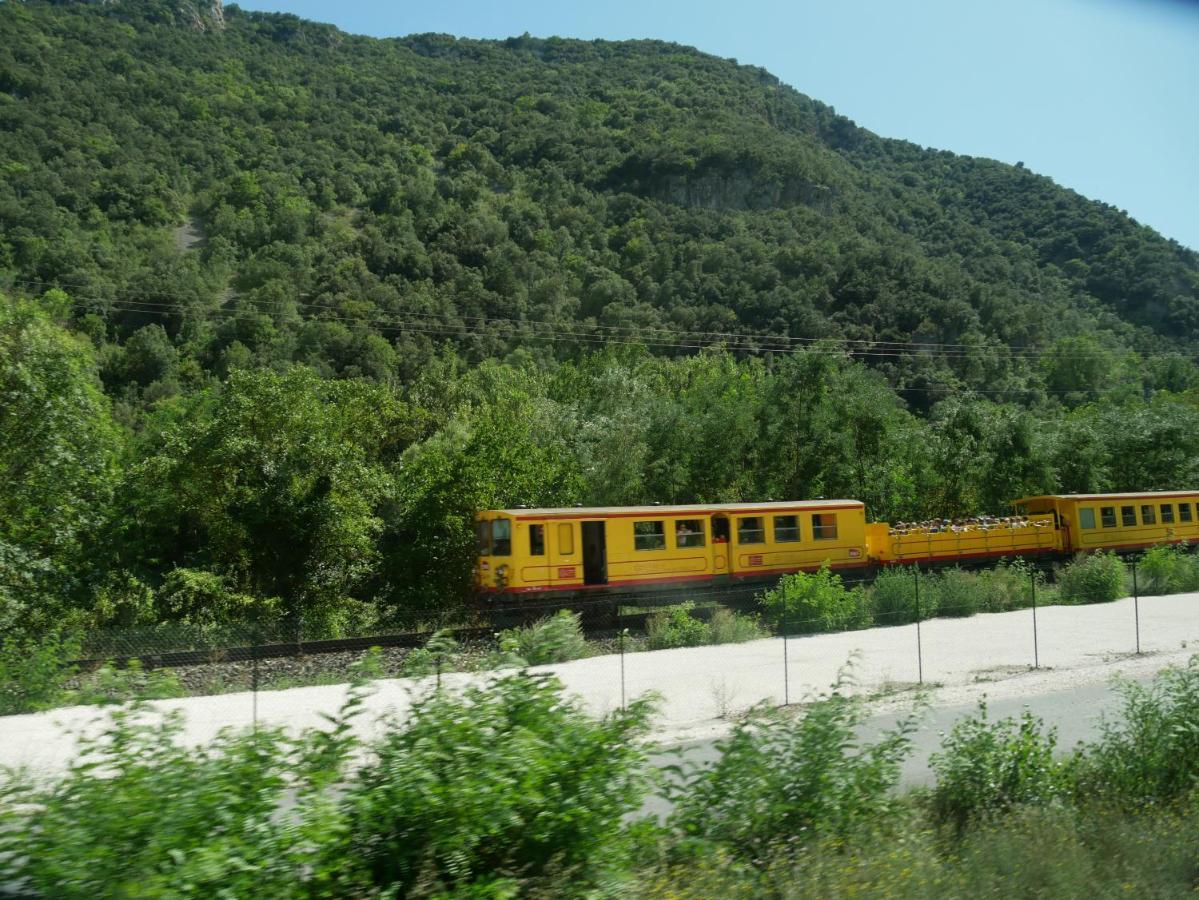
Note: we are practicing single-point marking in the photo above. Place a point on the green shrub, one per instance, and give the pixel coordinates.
(1168, 570)
(956, 591)
(676, 627)
(782, 781)
(33, 673)
(810, 603)
(1094, 578)
(728, 627)
(893, 596)
(1009, 585)
(554, 639)
(503, 782)
(984, 767)
(145, 815)
(1151, 751)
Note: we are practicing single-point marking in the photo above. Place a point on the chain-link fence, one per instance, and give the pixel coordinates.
(708, 654)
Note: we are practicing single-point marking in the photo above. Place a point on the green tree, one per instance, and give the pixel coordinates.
(277, 483)
(59, 455)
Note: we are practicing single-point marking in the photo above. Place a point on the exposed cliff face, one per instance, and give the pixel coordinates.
(202, 17)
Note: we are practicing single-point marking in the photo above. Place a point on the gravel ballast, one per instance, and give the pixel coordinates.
(702, 688)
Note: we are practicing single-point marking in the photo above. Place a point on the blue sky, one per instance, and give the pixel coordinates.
(1101, 95)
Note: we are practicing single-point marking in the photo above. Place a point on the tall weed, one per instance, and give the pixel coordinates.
(1168, 570)
(893, 596)
(1093, 578)
(554, 639)
(729, 627)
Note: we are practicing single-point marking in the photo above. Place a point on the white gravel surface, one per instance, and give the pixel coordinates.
(700, 688)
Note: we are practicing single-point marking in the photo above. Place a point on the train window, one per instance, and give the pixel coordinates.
(1107, 515)
(824, 526)
(536, 540)
(649, 536)
(1086, 517)
(751, 530)
(689, 533)
(1148, 514)
(501, 537)
(786, 529)
(566, 539)
(483, 538)
(1128, 515)
(1167, 513)
(1184, 512)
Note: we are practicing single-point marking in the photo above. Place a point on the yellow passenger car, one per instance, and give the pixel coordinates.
(568, 549)
(1118, 521)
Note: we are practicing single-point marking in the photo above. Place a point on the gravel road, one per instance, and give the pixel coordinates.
(701, 688)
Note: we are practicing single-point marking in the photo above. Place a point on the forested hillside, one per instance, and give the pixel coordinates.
(284, 305)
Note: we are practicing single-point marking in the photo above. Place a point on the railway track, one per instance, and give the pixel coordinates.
(600, 617)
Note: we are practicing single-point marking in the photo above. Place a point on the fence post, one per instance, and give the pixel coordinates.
(257, 640)
(1036, 655)
(786, 665)
(620, 640)
(919, 645)
(1136, 604)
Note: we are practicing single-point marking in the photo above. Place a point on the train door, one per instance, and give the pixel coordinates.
(720, 544)
(595, 553)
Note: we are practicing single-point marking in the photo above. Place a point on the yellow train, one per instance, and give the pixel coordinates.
(572, 549)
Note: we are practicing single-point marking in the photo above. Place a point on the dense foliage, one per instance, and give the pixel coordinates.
(509, 789)
(283, 306)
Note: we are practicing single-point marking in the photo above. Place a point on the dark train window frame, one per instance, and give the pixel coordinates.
(1086, 518)
(483, 537)
(655, 538)
(1107, 516)
(536, 540)
(1166, 511)
(1148, 514)
(1128, 516)
(822, 531)
(787, 534)
(742, 531)
(1184, 512)
(498, 542)
(697, 537)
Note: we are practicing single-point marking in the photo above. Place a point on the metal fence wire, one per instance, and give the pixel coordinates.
(902, 619)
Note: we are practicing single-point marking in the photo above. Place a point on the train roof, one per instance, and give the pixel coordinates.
(1127, 495)
(698, 509)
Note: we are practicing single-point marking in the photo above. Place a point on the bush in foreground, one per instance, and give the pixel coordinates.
(778, 781)
(507, 784)
(1150, 752)
(986, 767)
